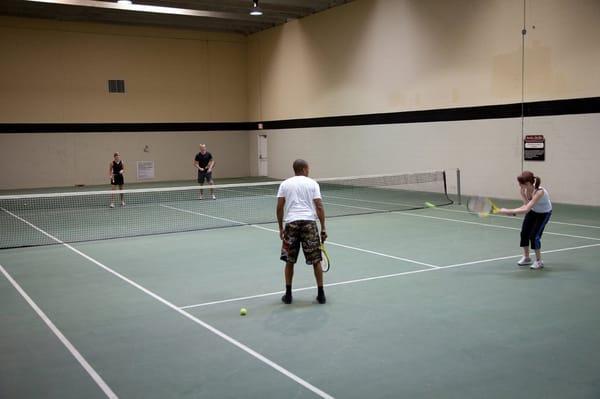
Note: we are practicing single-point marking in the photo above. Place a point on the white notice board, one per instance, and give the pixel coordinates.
(145, 170)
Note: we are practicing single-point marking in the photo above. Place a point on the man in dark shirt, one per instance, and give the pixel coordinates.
(204, 163)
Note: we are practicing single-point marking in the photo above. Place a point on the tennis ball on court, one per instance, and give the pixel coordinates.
(429, 205)
(243, 312)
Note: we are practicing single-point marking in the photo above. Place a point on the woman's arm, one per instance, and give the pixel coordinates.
(526, 207)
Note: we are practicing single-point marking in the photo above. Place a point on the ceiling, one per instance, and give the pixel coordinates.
(212, 15)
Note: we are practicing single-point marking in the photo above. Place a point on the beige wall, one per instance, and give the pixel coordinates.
(58, 72)
(562, 53)
(67, 159)
(372, 56)
(389, 55)
(367, 56)
(487, 152)
(403, 148)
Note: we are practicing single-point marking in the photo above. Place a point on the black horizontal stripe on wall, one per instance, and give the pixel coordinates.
(573, 106)
(538, 108)
(531, 109)
(123, 127)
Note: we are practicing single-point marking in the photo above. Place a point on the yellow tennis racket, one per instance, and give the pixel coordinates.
(482, 206)
(325, 261)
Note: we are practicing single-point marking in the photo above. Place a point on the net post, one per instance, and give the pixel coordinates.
(458, 186)
(445, 185)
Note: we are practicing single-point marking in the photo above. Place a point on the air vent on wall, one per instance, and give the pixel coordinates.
(116, 86)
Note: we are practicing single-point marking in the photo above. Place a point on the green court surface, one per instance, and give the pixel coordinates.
(420, 304)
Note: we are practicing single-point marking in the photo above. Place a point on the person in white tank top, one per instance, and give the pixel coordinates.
(537, 209)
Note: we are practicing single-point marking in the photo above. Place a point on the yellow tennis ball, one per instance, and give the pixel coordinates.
(243, 312)
(429, 205)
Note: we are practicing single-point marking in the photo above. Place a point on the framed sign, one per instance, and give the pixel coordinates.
(534, 148)
(145, 170)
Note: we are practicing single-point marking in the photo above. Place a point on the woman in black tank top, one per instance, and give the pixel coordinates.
(116, 168)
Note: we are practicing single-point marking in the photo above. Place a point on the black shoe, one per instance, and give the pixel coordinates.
(287, 299)
(321, 299)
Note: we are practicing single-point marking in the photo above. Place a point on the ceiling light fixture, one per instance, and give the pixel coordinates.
(255, 10)
(114, 5)
(125, 2)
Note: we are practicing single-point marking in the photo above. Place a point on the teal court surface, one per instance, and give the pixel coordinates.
(425, 303)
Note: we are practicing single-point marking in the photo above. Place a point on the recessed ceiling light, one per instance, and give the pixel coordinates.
(255, 10)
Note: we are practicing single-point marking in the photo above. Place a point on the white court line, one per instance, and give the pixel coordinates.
(398, 213)
(86, 366)
(491, 225)
(416, 262)
(512, 217)
(360, 280)
(371, 201)
(204, 214)
(185, 314)
(354, 206)
(467, 222)
(517, 256)
(445, 209)
(475, 223)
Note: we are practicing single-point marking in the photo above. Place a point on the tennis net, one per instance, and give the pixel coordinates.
(51, 218)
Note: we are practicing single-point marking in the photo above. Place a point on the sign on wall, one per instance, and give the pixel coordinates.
(534, 148)
(145, 170)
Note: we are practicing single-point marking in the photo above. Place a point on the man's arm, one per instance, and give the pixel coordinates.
(321, 215)
(280, 207)
(211, 165)
(197, 165)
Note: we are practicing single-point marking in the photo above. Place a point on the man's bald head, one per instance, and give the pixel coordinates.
(300, 167)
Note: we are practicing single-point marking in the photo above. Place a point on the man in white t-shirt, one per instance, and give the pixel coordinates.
(299, 205)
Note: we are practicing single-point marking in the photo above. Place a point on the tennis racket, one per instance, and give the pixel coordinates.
(482, 206)
(325, 262)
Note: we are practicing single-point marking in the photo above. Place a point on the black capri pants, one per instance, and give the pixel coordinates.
(532, 229)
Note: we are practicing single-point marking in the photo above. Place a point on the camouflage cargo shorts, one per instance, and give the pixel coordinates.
(303, 232)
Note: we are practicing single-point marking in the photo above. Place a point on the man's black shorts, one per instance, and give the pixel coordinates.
(202, 175)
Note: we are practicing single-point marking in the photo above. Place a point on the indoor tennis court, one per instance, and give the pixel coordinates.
(126, 272)
(415, 309)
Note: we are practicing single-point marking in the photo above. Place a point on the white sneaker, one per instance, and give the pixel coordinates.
(122, 203)
(524, 261)
(538, 264)
(200, 197)
(214, 197)
(112, 205)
